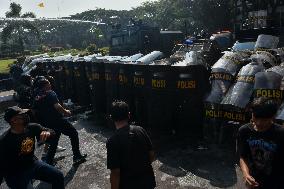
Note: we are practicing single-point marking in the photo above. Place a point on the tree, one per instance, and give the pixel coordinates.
(14, 34)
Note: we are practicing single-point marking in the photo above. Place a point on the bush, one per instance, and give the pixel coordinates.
(104, 50)
(92, 48)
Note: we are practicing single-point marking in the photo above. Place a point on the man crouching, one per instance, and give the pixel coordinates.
(18, 163)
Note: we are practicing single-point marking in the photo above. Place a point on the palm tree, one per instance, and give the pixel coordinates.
(14, 32)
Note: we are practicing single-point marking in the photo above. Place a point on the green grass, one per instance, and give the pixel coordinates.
(4, 65)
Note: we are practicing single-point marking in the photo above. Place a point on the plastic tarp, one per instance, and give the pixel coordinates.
(132, 58)
(192, 58)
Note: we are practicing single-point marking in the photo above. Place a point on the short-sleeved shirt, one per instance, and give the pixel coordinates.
(128, 150)
(44, 106)
(17, 150)
(264, 152)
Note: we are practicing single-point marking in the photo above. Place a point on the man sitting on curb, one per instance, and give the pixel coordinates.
(17, 160)
(260, 145)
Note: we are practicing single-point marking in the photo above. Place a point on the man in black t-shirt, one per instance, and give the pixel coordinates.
(17, 160)
(50, 114)
(260, 145)
(129, 153)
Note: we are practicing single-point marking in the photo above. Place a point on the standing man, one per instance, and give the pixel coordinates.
(18, 164)
(260, 145)
(50, 114)
(129, 153)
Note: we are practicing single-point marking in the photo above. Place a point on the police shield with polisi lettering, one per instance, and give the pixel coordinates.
(240, 93)
(189, 88)
(223, 74)
(160, 100)
(267, 84)
(140, 79)
(221, 81)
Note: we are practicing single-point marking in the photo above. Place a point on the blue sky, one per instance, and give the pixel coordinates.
(59, 8)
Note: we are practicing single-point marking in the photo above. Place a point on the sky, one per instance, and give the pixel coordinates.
(61, 8)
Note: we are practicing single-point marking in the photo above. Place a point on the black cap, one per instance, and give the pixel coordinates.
(13, 111)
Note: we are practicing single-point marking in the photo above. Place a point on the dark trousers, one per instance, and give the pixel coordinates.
(65, 127)
(39, 171)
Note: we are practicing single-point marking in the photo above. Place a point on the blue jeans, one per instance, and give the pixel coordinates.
(39, 171)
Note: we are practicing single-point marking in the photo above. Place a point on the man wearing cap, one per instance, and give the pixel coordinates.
(260, 145)
(18, 163)
(129, 153)
(51, 115)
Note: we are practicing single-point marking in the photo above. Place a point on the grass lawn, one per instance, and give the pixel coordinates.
(4, 65)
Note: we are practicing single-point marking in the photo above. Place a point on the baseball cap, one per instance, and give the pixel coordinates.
(13, 111)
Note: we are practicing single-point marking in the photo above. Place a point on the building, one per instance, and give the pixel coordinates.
(254, 17)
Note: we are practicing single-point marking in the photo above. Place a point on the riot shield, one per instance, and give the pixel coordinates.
(264, 57)
(231, 62)
(221, 81)
(277, 69)
(240, 93)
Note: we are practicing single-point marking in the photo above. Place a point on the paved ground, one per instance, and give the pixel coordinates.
(177, 165)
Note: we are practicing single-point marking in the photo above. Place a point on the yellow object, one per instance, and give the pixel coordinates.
(41, 5)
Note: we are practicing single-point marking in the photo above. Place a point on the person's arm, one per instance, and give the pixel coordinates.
(249, 180)
(115, 178)
(62, 110)
(53, 100)
(41, 133)
(243, 151)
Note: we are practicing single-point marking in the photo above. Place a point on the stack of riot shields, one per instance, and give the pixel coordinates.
(177, 97)
(231, 94)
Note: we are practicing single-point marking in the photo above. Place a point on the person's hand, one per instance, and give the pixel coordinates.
(67, 113)
(44, 135)
(250, 182)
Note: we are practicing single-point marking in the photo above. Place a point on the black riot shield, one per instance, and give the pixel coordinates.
(141, 80)
(240, 93)
(159, 103)
(82, 89)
